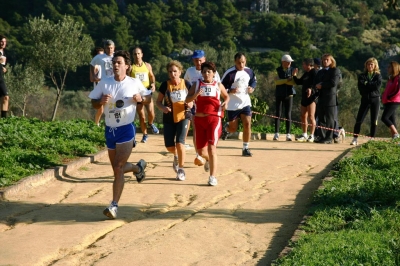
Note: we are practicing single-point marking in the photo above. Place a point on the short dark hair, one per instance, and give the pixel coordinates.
(308, 61)
(125, 55)
(2, 37)
(239, 55)
(209, 65)
(97, 50)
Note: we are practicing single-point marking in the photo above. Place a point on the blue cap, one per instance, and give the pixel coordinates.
(317, 61)
(198, 54)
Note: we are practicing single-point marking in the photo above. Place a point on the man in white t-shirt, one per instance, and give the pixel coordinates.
(119, 95)
(240, 81)
(101, 67)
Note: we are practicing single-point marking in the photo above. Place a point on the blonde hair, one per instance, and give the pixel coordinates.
(376, 67)
(175, 63)
(333, 64)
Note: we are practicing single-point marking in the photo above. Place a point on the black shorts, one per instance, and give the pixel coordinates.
(233, 115)
(175, 132)
(3, 88)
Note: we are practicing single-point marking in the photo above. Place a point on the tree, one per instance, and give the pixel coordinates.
(57, 49)
(22, 83)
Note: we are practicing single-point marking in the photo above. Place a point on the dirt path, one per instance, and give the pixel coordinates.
(246, 220)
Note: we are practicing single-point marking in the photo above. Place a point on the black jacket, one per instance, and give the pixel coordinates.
(329, 80)
(307, 81)
(284, 90)
(370, 88)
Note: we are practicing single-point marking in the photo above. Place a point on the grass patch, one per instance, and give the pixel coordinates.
(29, 146)
(355, 218)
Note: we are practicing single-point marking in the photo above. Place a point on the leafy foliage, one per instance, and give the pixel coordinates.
(355, 218)
(28, 146)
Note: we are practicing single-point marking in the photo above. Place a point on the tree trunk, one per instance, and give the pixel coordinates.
(53, 117)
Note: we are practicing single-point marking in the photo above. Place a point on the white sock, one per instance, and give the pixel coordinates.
(305, 134)
(245, 145)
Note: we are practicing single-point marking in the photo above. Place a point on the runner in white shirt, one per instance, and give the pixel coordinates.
(101, 67)
(119, 96)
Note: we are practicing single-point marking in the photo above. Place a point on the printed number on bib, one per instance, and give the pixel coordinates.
(178, 96)
(208, 90)
(142, 76)
(117, 115)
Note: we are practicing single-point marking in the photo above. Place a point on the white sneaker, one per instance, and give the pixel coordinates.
(301, 139)
(175, 164)
(181, 175)
(395, 136)
(207, 166)
(288, 137)
(354, 142)
(111, 212)
(276, 136)
(310, 139)
(212, 181)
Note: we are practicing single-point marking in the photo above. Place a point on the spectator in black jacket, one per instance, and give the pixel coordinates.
(369, 85)
(284, 95)
(308, 98)
(326, 82)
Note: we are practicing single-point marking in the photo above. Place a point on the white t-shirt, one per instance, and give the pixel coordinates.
(192, 75)
(121, 108)
(238, 79)
(105, 62)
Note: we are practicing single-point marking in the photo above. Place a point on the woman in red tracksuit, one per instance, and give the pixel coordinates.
(206, 93)
(391, 98)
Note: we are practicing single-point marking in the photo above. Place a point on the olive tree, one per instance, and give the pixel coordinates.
(58, 48)
(22, 83)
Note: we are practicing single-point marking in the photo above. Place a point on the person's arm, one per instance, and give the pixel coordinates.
(152, 77)
(93, 76)
(192, 94)
(97, 103)
(224, 95)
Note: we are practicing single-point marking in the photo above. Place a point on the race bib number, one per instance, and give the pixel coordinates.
(178, 96)
(116, 115)
(208, 90)
(142, 76)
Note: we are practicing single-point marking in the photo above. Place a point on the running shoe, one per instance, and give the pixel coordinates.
(111, 212)
(199, 161)
(225, 133)
(246, 152)
(207, 166)
(301, 139)
(134, 143)
(142, 174)
(354, 142)
(395, 136)
(310, 139)
(212, 181)
(154, 129)
(175, 164)
(180, 175)
(276, 136)
(288, 137)
(144, 139)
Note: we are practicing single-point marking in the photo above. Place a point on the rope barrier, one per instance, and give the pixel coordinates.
(341, 131)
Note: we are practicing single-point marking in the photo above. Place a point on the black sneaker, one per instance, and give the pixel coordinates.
(134, 143)
(247, 153)
(142, 174)
(225, 133)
